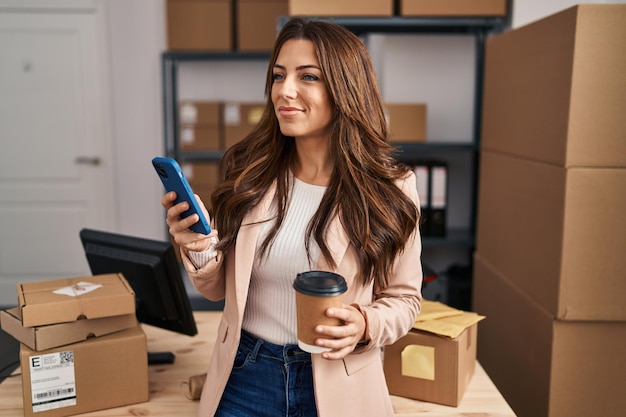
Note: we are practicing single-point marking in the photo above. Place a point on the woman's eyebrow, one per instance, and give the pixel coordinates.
(299, 67)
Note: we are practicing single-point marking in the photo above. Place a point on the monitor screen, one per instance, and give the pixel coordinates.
(152, 270)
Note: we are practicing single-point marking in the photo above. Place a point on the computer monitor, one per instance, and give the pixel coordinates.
(152, 270)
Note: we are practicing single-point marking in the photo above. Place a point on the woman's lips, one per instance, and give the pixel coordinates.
(288, 111)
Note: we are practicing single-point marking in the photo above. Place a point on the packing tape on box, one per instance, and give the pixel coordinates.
(193, 387)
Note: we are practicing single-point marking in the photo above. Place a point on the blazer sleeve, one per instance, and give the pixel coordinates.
(208, 280)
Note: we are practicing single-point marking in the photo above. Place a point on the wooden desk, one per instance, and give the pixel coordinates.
(167, 392)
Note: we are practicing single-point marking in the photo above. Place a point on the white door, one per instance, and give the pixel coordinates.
(55, 168)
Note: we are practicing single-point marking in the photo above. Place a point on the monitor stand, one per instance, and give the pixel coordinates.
(160, 358)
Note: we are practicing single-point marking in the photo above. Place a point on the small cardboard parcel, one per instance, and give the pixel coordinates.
(81, 347)
(435, 361)
(69, 299)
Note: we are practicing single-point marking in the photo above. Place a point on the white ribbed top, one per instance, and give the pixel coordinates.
(271, 308)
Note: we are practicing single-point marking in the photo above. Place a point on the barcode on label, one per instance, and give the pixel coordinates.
(53, 393)
(67, 356)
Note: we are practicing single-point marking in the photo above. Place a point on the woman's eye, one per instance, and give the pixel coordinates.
(277, 77)
(310, 77)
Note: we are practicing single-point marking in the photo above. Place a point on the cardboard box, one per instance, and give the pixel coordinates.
(70, 299)
(55, 335)
(199, 25)
(341, 8)
(200, 138)
(429, 367)
(199, 113)
(406, 121)
(203, 177)
(453, 7)
(239, 120)
(555, 89)
(558, 234)
(201, 173)
(257, 23)
(435, 361)
(97, 374)
(200, 125)
(543, 366)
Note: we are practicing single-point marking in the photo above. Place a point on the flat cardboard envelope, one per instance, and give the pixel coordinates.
(432, 310)
(443, 320)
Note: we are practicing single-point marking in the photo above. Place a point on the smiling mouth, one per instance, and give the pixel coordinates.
(289, 111)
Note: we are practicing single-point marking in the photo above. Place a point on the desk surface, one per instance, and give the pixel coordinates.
(167, 388)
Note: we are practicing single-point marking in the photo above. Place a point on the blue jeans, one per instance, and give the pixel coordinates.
(269, 380)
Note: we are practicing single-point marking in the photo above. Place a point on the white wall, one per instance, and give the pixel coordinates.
(404, 63)
(137, 38)
(527, 11)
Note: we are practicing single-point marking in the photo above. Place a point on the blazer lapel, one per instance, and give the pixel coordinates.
(246, 246)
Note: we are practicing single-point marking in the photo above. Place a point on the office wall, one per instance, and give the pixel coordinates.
(526, 11)
(137, 37)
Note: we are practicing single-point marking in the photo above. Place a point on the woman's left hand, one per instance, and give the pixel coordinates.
(344, 338)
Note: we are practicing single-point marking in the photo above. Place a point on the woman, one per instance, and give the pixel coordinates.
(313, 187)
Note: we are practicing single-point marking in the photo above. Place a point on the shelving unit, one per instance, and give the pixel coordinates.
(479, 28)
(169, 77)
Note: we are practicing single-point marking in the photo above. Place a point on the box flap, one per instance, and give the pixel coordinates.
(444, 320)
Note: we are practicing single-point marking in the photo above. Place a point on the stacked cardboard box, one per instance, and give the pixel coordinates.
(239, 120)
(341, 8)
(252, 25)
(216, 125)
(200, 125)
(257, 23)
(223, 25)
(81, 348)
(203, 177)
(406, 122)
(199, 25)
(550, 262)
(453, 8)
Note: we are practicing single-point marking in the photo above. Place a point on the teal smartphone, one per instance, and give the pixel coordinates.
(173, 179)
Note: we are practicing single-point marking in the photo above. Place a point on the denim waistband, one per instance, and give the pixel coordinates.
(258, 347)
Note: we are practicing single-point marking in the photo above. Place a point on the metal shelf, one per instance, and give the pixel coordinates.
(200, 156)
(406, 151)
(398, 24)
(477, 27)
(186, 56)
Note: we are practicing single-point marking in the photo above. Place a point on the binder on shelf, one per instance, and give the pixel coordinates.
(432, 188)
(438, 198)
(422, 172)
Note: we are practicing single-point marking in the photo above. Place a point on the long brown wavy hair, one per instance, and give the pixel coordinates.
(377, 216)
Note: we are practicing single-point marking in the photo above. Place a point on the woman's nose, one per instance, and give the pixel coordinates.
(288, 88)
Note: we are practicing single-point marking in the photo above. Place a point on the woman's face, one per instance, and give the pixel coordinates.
(301, 101)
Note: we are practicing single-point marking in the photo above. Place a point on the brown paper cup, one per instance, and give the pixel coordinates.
(316, 291)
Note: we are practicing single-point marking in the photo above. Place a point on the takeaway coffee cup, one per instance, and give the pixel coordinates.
(316, 291)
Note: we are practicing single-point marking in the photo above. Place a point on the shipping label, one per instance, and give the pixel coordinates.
(52, 381)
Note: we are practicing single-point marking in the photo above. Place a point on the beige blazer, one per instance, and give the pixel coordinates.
(351, 387)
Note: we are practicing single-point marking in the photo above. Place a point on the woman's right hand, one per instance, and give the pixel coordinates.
(179, 227)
